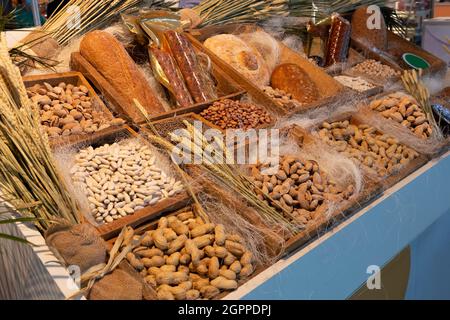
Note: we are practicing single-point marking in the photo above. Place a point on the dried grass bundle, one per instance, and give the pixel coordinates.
(28, 174)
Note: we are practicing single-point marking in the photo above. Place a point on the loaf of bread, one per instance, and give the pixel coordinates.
(265, 44)
(292, 79)
(110, 58)
(241, 57)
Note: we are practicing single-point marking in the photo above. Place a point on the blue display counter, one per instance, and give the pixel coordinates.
(415, 213)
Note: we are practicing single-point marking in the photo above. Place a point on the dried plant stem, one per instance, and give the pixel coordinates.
(167, 146)
(28, 173)
(415, 87)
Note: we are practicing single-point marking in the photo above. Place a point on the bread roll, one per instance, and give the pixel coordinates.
(292, 79)
(265, 44)
(111, 59)
(241, 57)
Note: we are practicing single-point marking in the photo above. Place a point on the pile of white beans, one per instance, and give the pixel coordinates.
(121, 178)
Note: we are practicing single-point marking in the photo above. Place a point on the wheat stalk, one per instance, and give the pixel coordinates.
(27, 170)
(416, 88)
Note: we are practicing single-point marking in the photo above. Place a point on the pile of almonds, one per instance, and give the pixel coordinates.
(300, 187)
(376, 69)
(121, 178)
(229, 114)
(404, 110)
(282, 98)
(377, 151)
(66, 110)
(185, 258)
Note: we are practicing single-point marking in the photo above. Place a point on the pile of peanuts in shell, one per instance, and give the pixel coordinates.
(375, 69)
(185, 258)
(404, 110)
(299, 186)
(364, 143)
(67, 109)
(282, 98)
(231, 114)
(121, 178)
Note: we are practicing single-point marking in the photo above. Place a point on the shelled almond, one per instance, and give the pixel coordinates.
(185, 258)
(66, 110)
(299, 187)
(404, 110)
(364, 143)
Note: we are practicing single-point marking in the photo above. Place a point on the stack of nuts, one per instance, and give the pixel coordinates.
(229, 114)
(120, 179)
(299, 187)
(376, 69)
(377, 151)
(186, 258)
(67, 109)
(282, 98)
(404, 110)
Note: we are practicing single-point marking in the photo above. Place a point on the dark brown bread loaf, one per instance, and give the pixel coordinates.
(292, 79)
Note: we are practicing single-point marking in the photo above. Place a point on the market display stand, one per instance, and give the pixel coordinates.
(333, 266)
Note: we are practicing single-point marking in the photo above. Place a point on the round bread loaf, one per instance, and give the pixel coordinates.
(376, 37)
(265, 44)
(240, 56)
(292, 79)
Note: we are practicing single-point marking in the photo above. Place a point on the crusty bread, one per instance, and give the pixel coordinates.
(292, 79)
(241, 57)
(111, 59)
(265, 44)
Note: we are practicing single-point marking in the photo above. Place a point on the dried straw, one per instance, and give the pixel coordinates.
(27, 171)
(416, 88)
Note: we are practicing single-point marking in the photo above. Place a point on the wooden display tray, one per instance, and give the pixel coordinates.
(393, 55)
(328, 88)
(195, 111)
(152, 226)
(409, 135)
(389, 180)
(167, 125)
(354, 57)
(109, 230)
(371, 190)
(75, 78)
(225, 85)
(442, 97)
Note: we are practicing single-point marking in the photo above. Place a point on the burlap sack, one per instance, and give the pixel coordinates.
(78, 245)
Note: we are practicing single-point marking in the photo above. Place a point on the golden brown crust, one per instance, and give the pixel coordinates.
(292, 79)
(241, 57)
(111, 59)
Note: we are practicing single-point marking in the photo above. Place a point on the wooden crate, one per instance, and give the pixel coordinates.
(406, 137)
(75, 78)
(328, 88)
(224, 84)
(152, 226)
(109, 230)
(392, 57)
(194, 112)
(371, 190)
(167, 125)
(387, 181)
